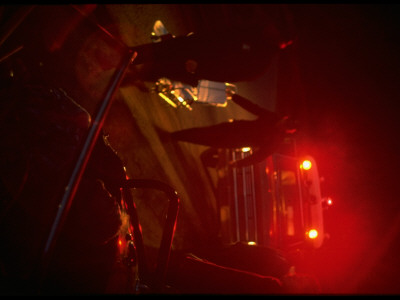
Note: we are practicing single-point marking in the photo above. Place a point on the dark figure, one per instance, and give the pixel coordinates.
(42, 131)
(264, 134)
(230, 54)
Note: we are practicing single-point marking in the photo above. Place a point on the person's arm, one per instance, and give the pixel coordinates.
(254, 108)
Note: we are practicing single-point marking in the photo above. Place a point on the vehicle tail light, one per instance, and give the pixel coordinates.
(306, 165)
(312, 234)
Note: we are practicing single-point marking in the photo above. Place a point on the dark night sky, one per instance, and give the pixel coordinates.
(349, 69)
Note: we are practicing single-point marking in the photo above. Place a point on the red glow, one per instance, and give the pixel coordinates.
(285, 44)
(306, 165)
(313, 234)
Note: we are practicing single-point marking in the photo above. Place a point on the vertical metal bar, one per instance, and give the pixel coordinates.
(300, 190)
(137, 234)
(245, 198)
(253, 191)
(169, 227)
(278, 199)
(299, 182)
(234, 170)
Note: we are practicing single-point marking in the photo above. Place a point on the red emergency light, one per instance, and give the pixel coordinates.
(312, 234)
(306, 165)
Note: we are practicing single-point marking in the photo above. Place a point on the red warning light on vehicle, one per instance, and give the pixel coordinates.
(312, 234)
(306, 165)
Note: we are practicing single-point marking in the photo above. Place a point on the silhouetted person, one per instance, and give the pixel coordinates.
(264, 134)
(226, 54)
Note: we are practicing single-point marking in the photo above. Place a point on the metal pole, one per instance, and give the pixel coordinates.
(236, 200)
(169, 227)
(245, 199)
